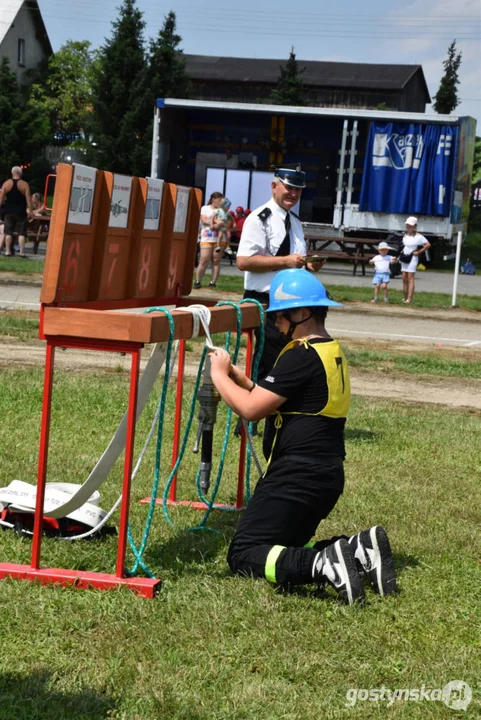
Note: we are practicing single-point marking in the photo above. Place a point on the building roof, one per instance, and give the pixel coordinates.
(10, 10)
(316, 73)
(354, 114)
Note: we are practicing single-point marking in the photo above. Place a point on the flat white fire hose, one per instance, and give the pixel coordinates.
(20, 497)
(117, 444)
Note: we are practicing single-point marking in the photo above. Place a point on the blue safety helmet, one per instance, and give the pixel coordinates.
(295, 288)
(292, 178)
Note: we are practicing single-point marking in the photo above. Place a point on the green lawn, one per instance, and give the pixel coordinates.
(346, 293)
(216, 647)
(20, 265)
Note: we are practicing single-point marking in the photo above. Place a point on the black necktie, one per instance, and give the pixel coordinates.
(285, 247)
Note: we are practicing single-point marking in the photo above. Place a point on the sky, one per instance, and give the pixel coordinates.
(409, 32)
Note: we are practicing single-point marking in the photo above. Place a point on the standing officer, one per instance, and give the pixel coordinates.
(305, 398)
(272, 239)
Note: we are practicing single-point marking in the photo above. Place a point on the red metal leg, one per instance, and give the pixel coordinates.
(178, 416)
(129, 454)
(43, 454)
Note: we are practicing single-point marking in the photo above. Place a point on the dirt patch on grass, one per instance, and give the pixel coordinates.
(453, 392)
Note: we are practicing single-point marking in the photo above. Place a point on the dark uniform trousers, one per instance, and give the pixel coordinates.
(274, 340)
(288, 504)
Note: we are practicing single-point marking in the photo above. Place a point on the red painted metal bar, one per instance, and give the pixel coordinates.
(129, 454)
(65, 341)
(147, 587)
(43, 454)
(178, 416)
(243, 440)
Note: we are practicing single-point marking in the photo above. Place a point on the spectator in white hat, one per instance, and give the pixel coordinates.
(382, 273)
(413, 245)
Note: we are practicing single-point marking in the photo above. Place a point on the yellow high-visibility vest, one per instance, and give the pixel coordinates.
(338, 383)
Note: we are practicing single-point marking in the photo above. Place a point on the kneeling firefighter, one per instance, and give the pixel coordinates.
(305, 398)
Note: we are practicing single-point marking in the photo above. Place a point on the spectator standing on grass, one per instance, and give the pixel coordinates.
(413, 245)
(208, 242)
(17, 208)
(382, 275)
(305, 399)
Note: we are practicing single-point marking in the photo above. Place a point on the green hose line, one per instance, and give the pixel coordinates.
(210, 503)
(185, 439)
(255, 370)
(138, 553)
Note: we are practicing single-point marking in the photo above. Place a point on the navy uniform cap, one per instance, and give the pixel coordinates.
(294, 178)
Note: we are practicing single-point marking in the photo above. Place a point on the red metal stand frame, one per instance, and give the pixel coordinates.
(146, 587)
(196, 504)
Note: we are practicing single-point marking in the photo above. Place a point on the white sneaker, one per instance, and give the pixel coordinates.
(336, 565)
(372, 552)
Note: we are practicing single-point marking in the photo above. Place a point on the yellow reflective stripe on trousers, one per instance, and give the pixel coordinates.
(271, 560)
(310, 544)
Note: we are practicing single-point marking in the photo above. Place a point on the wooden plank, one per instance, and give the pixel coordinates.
(104, 249)
(138, 327)
(80, 209)
(149, 262)
(112, 252)
(191, 242)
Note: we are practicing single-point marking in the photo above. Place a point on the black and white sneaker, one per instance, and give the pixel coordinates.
(373, 555)
(336, 565)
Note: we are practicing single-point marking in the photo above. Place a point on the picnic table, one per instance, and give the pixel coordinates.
(38, 230)
(356, 250)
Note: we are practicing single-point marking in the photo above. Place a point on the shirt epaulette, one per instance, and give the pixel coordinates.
(264, 214)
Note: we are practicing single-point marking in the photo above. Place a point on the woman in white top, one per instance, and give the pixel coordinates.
(413, 245)
(208, 241)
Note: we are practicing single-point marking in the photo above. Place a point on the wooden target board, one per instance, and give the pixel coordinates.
(116, 241)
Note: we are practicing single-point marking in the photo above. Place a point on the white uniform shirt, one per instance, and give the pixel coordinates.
(265, 238)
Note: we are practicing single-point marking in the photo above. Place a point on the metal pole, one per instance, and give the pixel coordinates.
(129, 453)
(352, 160)
(456, 267)
(178, 416)
(337, 219)
(155, 145)
(342, 160)
(43, 455)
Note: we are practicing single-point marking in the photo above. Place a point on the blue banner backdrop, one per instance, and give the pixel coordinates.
(409, 169)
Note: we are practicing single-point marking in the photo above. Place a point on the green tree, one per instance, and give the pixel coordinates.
(289, 89)
(446, 98)
(67, 91)
(477, 160)
(24, 131)
(121, 113)
(167, 77)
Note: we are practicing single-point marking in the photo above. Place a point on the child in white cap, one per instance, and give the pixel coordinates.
(382, 275)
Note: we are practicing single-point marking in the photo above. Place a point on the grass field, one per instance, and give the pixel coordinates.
(215, 647)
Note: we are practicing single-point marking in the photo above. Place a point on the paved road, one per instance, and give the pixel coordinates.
(391, 323)
(341, 274)
(404, 328)
(429, 281)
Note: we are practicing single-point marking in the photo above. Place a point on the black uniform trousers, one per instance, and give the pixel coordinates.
(288, 504)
